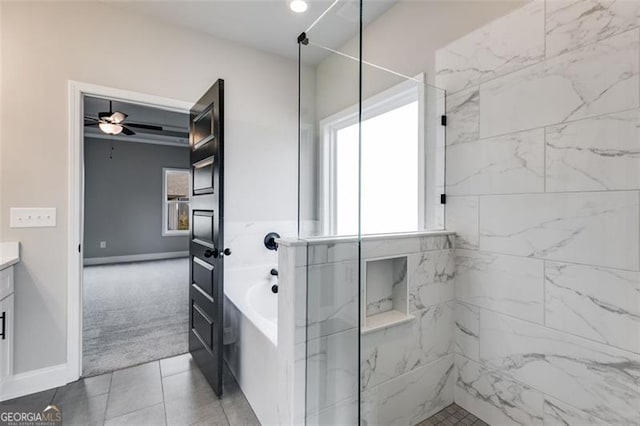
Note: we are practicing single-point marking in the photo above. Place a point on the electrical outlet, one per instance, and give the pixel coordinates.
(103, 244)
(32, 218)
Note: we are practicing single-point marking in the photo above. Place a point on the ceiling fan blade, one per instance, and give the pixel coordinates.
(145, 126)
(127, 131)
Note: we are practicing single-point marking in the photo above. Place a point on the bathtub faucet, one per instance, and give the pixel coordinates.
(274, 272)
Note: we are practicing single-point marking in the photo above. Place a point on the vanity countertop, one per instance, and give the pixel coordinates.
(9, 254)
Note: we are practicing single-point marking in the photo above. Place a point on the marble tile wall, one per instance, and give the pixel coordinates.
(543, 185)
(406, 370)
(292, 323)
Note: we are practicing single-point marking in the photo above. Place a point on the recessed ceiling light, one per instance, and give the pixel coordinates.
(298, 6)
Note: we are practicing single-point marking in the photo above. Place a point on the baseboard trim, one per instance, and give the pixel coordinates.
(134, 258)
(33, 381)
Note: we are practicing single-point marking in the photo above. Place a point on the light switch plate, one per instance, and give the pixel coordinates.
(33, 217)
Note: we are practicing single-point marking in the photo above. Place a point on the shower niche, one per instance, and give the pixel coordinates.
(385, 285)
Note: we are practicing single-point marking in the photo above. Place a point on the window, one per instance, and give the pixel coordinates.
(175, 202)
(392, 165)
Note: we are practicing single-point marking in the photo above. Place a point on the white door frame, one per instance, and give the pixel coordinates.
(77, 91)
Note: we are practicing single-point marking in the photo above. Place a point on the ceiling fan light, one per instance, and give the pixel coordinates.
(118, 117)
(110, 129)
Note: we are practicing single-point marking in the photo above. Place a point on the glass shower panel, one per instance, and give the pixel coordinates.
(406, 296)
(329, 213)
(371, 168)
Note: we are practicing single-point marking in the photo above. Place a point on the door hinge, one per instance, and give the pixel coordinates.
(443, 120)
(443, 198)
(79, 248)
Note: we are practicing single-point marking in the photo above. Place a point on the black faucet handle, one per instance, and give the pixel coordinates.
(274, 272)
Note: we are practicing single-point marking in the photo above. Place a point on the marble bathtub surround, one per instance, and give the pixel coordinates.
(599, 228)
(292, 323)
(602, 153)
(332, 298)
(493, 50)
(342, 413)
(332, 370)
(332, 251)
(573, 24)
(568, 87)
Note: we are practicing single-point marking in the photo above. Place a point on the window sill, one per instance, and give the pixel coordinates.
(175, 234)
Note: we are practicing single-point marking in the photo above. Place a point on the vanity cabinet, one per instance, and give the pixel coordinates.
(6, 322)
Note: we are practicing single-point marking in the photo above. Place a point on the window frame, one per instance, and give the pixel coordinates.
(165, 204)
(395, 97)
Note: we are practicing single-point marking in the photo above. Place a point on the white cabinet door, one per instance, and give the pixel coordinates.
(6, 339)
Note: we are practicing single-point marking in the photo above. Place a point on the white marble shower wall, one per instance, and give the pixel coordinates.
(543, 189)
(406, 369)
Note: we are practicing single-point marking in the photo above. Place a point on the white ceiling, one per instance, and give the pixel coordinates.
(267, 25)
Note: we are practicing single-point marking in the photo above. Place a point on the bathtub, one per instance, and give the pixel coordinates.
(251, 336)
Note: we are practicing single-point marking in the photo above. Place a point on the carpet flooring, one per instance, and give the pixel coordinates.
(134, 313)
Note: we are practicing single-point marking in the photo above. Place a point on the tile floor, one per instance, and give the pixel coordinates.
(453, 415)
(166, 392)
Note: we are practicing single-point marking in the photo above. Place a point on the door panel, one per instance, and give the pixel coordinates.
(203, 222)
(202, 326)
(206, 292)
(203, 276)
(202, 173)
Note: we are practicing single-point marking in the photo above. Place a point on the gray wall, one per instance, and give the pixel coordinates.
(123, 198)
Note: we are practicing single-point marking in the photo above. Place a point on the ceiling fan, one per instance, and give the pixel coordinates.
(112, 123)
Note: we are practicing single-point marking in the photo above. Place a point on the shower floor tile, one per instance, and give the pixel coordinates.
(453, 415)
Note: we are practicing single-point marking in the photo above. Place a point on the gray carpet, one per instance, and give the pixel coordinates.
(134, 313)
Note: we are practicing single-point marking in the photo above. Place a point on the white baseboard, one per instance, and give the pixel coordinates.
(134, 258)
(33, 381)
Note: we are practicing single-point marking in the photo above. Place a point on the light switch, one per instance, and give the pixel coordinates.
(33, 218)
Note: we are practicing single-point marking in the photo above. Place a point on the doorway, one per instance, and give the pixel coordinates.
(135, 234)
(87, 100)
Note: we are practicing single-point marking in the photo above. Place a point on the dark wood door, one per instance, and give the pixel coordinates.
(206, 252)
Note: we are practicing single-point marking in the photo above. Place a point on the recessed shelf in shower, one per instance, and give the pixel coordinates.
(385, 293)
